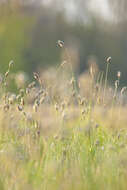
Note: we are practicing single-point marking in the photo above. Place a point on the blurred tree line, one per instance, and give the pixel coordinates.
(30, 29)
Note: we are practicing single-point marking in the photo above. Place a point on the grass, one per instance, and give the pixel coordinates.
(61, 133)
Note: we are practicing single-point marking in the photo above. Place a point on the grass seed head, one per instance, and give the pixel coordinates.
(35, 107)
(12, 98)
(11, 63)
(123, 90)
(22, 102)
(63, 63)
(6, 74)
(27, 90)
(36, 76)
(60, 43)
(42, 99)
(109, 60)
(20, 108)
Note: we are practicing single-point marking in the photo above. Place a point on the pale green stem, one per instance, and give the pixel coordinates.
(106, 78)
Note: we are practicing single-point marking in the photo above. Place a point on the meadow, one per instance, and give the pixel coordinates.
(62, 132)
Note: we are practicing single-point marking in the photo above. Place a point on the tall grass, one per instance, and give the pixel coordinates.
(55, 137)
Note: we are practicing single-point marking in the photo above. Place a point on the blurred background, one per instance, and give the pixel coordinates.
(91, 30)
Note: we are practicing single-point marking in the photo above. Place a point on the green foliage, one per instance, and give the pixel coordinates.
(79, 160)
(14, 29)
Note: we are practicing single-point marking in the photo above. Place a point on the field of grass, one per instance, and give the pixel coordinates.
(63, 133)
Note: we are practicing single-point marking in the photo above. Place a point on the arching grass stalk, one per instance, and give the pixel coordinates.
(61, 45)
(106, 75)
(73, 77)
(68, 61)
(4, 81)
